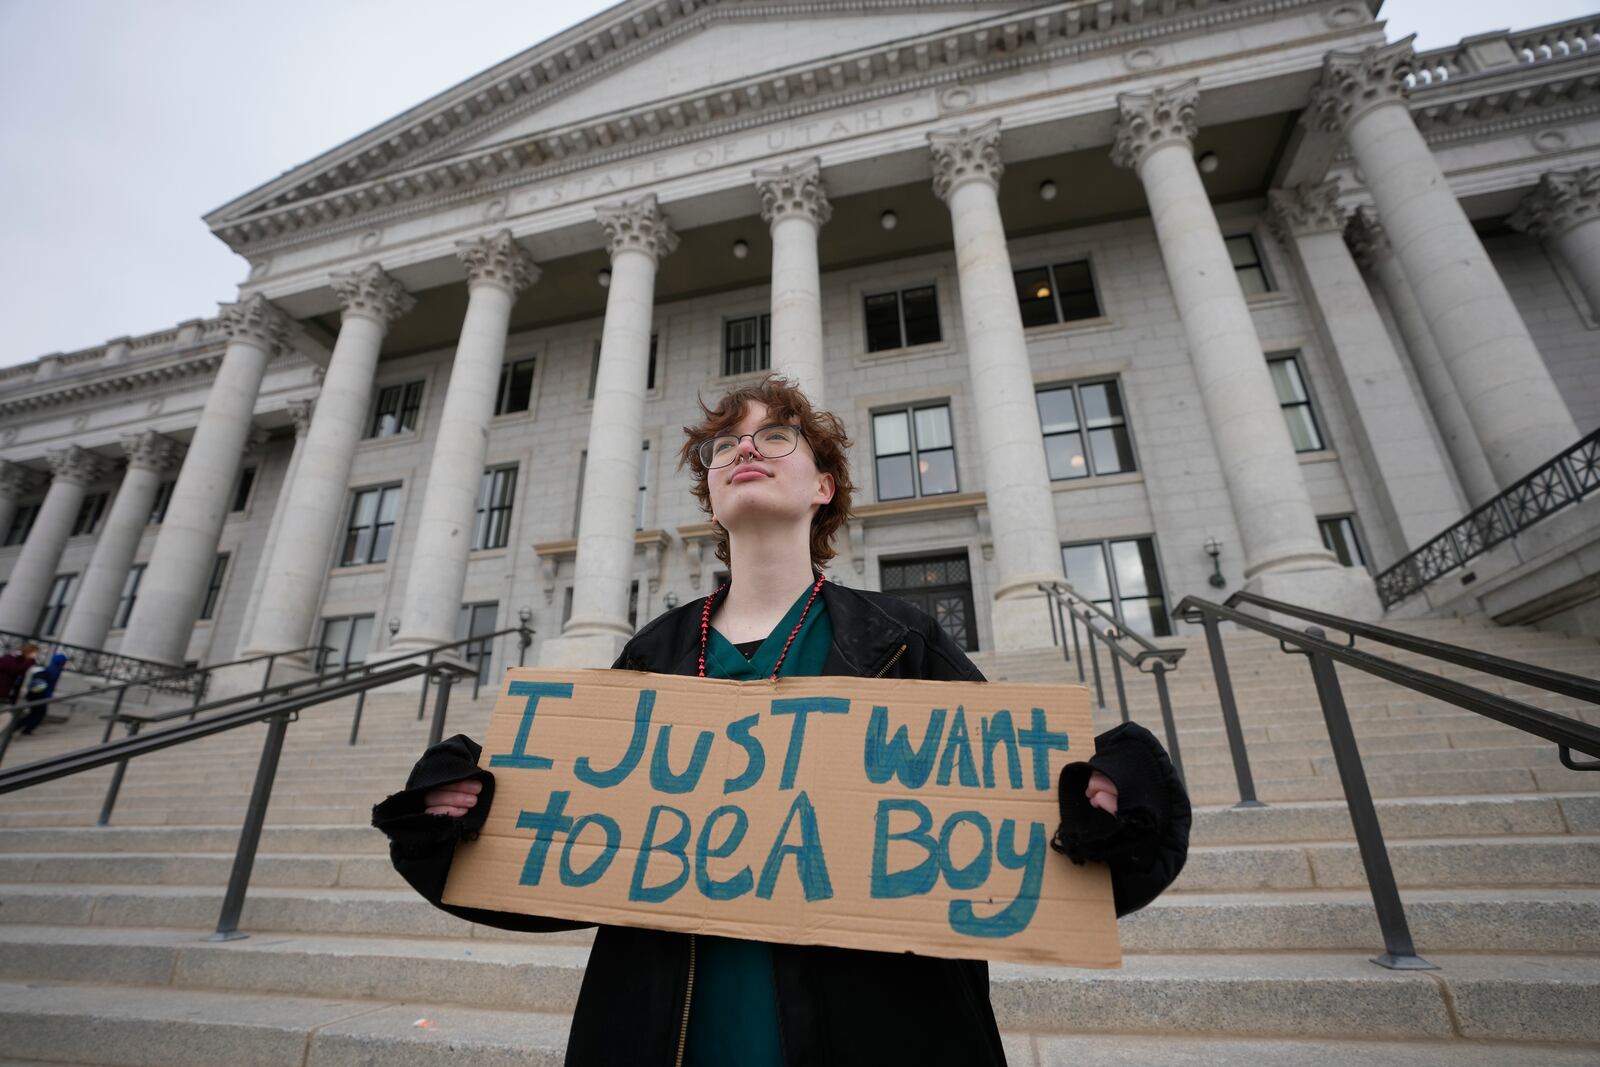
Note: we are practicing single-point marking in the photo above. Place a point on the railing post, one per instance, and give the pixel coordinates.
(1094, 658)
(266, 679)
(1077, 649)
(441, 703)
(1399, 952)
(250, 834)
(1116, 677)
(477, 673)
(1230, 715)
(8, 731)
(422, 704)
(355, 723)
(1167, 721)
(116, 781)
(1056, 637)
(524, 639)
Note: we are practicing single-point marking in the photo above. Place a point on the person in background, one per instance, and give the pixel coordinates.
(37, 689)
(13, 666)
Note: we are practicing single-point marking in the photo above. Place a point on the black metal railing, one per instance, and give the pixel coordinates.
(102, 664)
(1068, 609)
(1567, 733)
(1565, 480)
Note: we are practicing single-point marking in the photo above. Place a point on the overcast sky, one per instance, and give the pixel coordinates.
(123, 121)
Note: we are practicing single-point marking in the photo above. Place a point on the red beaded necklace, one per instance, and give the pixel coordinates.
(705, 626)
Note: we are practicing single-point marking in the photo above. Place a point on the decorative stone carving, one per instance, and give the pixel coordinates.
(256, 320)
(1355, 82)
(1560, 201)
(152, 451)
(300, 412)
(793, 190)
(1306, 209)
(1365, 237)
(497, 260)
(371, 292)
(1149, 120)
(17, 481)
(971, 153)
(77, 465)
(254, 440)
(637, 226)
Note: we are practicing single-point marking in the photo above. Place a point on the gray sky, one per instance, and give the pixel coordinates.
(123, 121)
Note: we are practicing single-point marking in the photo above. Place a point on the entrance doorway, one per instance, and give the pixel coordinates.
(940, 585)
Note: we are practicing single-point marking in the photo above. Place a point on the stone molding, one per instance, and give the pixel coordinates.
(300, 412)
(1561, 200)
(969, 153)
(497, 260)
(1306, 209)
(370, 292)
(637, 226)
(1354, 83)
(1165, 115)
(257, 321)
(117, 385)
(152, 451)
(17, 481)
(794, 190)
(1365, 237)
(77, 465)
(654, 543)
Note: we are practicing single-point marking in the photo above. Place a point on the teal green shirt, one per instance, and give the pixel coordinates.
(733, 1016)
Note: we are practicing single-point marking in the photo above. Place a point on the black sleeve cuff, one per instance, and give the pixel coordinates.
(401, 816)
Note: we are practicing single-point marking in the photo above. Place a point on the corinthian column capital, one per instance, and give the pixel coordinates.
(300, 412)
(793, 190)
(1560, 201)
(372, 293)
(497, 260)
(1165, 115)
(637, 226)
(971, 153)
(16, 480)
(1306, 209)
(1365, 237)
(1353, 83)
(257, 320)
(77, 465)
(152, 451)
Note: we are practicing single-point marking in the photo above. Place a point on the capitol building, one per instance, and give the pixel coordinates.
(1162, 297)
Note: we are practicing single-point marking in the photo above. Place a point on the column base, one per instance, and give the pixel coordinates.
(1021, 621)
(1347, 591)
(599, 650)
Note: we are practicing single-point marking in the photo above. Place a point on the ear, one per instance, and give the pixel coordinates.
(825, 488)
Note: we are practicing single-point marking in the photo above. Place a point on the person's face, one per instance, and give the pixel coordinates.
(754, 487)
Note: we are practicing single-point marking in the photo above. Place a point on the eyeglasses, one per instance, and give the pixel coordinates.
(771, 442)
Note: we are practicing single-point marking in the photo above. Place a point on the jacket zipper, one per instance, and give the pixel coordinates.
(892, 661)
(688, 997)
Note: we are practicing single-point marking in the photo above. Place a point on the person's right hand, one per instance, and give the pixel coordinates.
(456, 798)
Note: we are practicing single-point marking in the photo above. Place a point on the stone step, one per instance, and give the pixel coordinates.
(1126, 1051)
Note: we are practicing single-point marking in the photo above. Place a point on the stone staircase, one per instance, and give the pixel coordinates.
(1260, 950)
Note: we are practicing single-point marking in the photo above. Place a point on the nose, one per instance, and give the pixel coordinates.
(747, 447)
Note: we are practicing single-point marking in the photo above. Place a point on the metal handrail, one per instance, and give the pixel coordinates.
(82, 658)
(1567, 733)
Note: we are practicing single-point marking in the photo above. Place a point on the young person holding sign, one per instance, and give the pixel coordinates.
(772, 473)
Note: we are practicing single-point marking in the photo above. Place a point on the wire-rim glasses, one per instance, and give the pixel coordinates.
(771, 442)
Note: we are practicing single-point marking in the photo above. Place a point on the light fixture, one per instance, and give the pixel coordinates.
(670, 600)
(740, 249)
(394, 628)
(1207, 162)
(525, 616)
(1213, 549)
(1047, 190)
(1042, 293)
(1077, 460)
(889, 220)
(604, 278)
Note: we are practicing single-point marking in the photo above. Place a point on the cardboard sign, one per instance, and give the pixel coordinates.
(901, 816)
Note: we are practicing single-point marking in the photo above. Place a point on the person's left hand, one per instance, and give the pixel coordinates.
(1102, 793)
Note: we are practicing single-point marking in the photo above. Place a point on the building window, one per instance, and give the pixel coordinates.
(477, 620)
(650, 371)
(495, 494)
(644, 488)
(914, 451)
(746, 344)
(902, 319)
(1069, 412)
(130, 593)
(219, 572)
(158, 507)
(1339, 535)
(396, 410)
(90, 512)
(371, 527)
(1123, 579)
(1060, 293)
(1296, 403)
(346, 641)
(1247, 265)
(55, 605)
(515, 391)
(241, 492)
(942, 587)
(22, 524)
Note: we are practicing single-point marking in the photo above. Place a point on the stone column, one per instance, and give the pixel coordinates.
(299, 412)
(73, 470)
(1411, 476)
(795, 204)
(1517, 412)
(1027, 546)
(1372, 253)
(174, 584)
(151, 457)
(16, 481)
(296, 566)
(637, 235)
(1564, 209)
(498, 268)
(1283, 552)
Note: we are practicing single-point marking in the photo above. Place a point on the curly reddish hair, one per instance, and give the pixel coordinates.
(823, 432)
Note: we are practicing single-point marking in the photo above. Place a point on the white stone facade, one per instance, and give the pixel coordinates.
(849, 152)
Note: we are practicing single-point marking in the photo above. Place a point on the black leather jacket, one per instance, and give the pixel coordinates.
(837, 1006)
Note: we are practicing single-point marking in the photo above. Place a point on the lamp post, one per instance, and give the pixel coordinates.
(670, 600)
(1213, 549)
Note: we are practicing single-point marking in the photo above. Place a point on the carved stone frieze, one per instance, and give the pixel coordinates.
(152, 451)
(1353, 83)
(1560, 201)
(497, 260)
(17, 481)
(256, 320)
(77, 465)
(794, 190)
(371, 292)
(637, 226)
(1148, 120)
(300, 411)
(1365, 237)
(1306, 209)
(970, 153)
